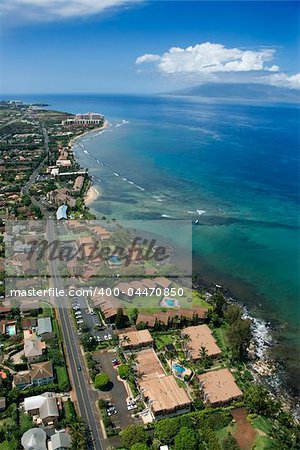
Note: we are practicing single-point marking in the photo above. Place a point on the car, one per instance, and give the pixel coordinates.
(98, 338)
(105, 337)
(78, 313)
(109, 336)
(79, 321)
(79, 368)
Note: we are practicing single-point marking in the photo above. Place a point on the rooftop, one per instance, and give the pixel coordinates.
(164, 394)
(219, 386)
(201, 336)
(135, 338)
(44, 325)
(148, 364)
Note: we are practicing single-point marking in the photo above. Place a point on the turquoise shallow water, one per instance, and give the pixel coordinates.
(240, 164)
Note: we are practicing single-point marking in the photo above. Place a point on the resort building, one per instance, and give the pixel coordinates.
(219, 387)
(85, 119)
(148, 364)
(101, 232)
(164, 396)
(195, 313)
(200, 336)
(87, 246)
(133, 340)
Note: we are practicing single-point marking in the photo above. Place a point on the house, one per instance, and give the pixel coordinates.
(44, 406)
(34, 347)
(2, 404)
(200, 336)
(78, 183)
(44, 327)
(28, 323)
(60, 441)
(164, 396)
(42, 373)
(34, 439)
(133, 340)
(219, 387)
(22, 379)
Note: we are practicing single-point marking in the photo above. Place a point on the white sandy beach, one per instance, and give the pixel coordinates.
(91, 195)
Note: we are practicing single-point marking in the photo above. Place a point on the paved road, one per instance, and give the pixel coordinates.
(86, 397)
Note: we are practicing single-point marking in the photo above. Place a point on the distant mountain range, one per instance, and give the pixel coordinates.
(241, 92)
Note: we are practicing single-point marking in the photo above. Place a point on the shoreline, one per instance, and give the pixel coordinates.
(91, 195)
(261, 365)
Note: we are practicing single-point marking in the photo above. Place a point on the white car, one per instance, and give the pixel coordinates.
(79, 321)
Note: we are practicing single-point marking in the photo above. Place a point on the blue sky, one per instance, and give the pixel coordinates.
(121, 46)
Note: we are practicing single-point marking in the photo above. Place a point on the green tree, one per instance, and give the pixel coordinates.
(239, 337)
(166, 430)
(139, 446)
(102, 381)
(219, 303)
(186, 439)
(259, 401)
(124, 371)
(233, 313)
(205, 360)
(133, 434)
(121, 319)
(78, 435)
(230, 443)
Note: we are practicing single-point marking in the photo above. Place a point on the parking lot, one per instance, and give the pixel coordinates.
(87, 317)
(117, 396)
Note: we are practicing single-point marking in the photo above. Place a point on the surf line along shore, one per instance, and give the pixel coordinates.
(92, 194)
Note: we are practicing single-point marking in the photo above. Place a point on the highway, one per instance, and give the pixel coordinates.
(86, 397)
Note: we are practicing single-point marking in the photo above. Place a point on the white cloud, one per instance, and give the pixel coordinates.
(284, 80)
(208, 62)
(210, 58)
(47, 10)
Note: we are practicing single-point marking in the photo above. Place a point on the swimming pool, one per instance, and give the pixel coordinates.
(11, 330)
(170, 301)
(178, 368)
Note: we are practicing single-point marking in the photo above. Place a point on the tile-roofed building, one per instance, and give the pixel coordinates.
(135, 339)
(22, 379)
(87, 246)
(78, 183)
(42, 373)
(34, 439)
(162, 281)
(164, 396)
(28, 323)
(148, 364)
(33, 345)
(150, 319)
(150, 284)
(60, 440)
(101, 232)
(200, 336)
(44, 326)
(219, 387)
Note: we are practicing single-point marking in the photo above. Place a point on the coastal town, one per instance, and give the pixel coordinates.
(135, 354)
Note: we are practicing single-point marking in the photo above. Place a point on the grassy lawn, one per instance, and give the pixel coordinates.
(25, 422)
(223, 432)
(55, 328)
(199, 300)
(47, 310)
(220, 335)
(262, 443)
(69, 410)
(163, 339)
(8, 421)
(4, 445)
(62, 375)
(263, 424)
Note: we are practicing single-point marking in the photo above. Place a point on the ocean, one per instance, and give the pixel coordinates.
(232, 167)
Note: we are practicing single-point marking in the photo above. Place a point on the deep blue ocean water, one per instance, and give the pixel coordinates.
(238, 163)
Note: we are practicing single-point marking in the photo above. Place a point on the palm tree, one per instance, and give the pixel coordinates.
(78, 435)
(204, 357)
(185, 340)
